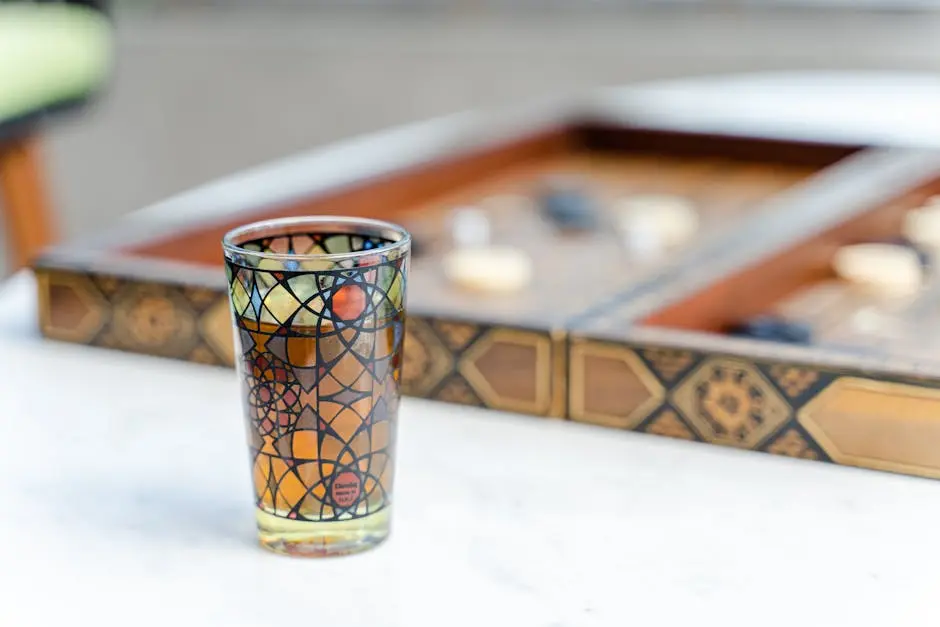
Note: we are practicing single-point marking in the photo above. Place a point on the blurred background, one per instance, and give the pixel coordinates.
(204, 88)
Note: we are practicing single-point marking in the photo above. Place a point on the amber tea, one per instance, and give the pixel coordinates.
(319, 337)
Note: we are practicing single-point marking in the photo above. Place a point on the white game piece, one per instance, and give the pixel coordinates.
(489, 268)
(674, 217)
(922, 225)
(642, 236)
(470, 227)
(867, 321)
(884, 269)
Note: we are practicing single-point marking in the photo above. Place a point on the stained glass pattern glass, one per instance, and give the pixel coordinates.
(319, 346)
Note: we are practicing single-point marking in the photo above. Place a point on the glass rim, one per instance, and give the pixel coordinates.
(398, 238)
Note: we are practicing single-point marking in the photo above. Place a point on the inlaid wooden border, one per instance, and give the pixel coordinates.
(442, 358)
(869, 419)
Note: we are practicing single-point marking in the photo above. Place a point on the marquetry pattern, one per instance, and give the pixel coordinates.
(181, 322)
(454, 361)
(456, 390)
(877, 424)
(793, 443)
(793, 380)
(427, 360)
(788, 409)
(610, 385)
(798, 410)
(494, 367)
(728, 401)
(723, 400)
(668, 364)
(669, 424)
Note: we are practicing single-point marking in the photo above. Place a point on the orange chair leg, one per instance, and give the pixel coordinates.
(29, 221)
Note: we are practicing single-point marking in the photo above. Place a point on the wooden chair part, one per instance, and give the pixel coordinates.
(29, 222)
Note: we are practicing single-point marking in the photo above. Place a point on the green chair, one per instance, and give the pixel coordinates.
(53, 57)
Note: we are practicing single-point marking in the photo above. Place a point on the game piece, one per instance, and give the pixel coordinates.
(470, 227)
(886, 270)
(674, 217)
(642, 236)
(922, 225)
(568, 206)
(867, 321)
(774, 329)
(923, 254)
(489, 268)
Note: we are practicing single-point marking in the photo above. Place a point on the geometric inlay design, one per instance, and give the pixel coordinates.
(669, 424)
(611, 386)
(427, 360)
(793, 380)
(107, 284)
(668, 363)
(729, 402)
(153, 318)
(202, 354)
(511, 369)
(71, 307)
(792, 444)
(456, 334)
(877, 424)
(456, 390)
(200, 297)
(216, 328)
(319, 353)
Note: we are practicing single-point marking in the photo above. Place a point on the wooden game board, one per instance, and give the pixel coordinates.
(861, 394)
(154, 284)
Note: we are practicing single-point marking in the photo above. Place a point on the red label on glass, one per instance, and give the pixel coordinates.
(346, 489)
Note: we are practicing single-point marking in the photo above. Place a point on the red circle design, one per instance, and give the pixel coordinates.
(349, 301)
(346, 489)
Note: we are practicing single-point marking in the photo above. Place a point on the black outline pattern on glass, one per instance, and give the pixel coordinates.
(274, 399)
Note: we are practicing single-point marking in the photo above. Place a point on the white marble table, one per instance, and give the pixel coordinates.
(125, 492)
(124, 484)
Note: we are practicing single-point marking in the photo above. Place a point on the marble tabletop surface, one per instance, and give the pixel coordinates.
(125, 490)
(124, 484)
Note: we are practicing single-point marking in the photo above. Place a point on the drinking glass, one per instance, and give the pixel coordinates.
(318, 307)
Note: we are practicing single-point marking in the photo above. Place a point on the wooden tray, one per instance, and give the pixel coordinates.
(865, 393)
(153, 284)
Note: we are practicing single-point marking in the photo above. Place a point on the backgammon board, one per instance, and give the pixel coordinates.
(864, 391)
(600, 334)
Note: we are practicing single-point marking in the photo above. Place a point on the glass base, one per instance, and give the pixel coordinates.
(326, 539)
